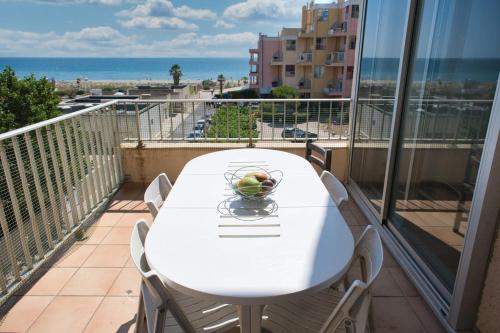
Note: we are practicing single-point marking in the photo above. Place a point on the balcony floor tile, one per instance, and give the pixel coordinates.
(24, 313)
(114, 314)
(66, 314)
(97, 284)
(90, 282)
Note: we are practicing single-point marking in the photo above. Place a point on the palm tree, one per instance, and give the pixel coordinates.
(245, 80)
(176, 73)
(221, 80)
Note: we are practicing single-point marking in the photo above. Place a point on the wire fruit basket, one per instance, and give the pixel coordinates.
(253, 183)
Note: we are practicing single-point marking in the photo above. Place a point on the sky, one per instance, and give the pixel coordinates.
(140, 28)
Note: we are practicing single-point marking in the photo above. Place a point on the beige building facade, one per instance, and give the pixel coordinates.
(317, 59)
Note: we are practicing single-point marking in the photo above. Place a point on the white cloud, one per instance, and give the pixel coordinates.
(107, 42)
(223, 24)
(92, 41)
(149, 22)
(78, 2)
(263, 9)
(155, 14)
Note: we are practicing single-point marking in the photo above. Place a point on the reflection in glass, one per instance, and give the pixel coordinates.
(452, 79)
(382, 44)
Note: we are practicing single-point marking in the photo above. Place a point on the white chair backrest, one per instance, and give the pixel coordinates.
(157, 192)
(155, 294)
(335, 188)
(354, 306)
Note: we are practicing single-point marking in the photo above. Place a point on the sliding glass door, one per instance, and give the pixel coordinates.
(449, 94)
(428, 71)
(381, 46)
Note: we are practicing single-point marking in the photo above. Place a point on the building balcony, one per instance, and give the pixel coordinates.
(74, 187)
(307, 31)
(337, 29)
(253, 61)
(334, 88)
(305, 58)
(254, 73)
(304, 84)
(253, 51)
(335, 58)
(277, 59)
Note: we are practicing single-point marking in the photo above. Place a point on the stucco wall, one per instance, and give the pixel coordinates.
(489, 308)
(143, 165)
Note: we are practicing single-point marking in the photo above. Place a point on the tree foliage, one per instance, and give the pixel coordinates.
(232, 121)
(284, 92)
(176, 73)
(25, 101)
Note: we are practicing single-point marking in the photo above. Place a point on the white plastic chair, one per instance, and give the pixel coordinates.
(157, 192)
(335, 187)
(167, 310)
(331, 310)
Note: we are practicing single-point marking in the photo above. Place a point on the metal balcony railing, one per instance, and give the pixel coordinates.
(304, 57)
(334, 88)
(227, 121)
(54, 175)
(335, 57)
(337, 28)
(439, 121)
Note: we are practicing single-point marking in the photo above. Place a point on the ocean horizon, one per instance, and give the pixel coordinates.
(65, 69)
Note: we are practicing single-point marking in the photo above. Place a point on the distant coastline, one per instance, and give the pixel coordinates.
(127, 69)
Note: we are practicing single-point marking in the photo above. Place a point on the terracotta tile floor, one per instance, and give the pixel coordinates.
(94, 286)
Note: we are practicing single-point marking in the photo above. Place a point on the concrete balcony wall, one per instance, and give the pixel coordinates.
(143, 165)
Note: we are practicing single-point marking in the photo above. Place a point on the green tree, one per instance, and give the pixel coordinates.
(176, 73)
(221, 79)
(25, 101)
(284, 92)
(245, 79)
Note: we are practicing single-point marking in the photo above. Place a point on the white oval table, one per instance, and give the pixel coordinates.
(208, 244)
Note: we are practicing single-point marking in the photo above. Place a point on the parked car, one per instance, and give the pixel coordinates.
(297, 134)
(195, 135)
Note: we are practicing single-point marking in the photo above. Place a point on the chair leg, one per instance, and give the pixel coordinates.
(140, 323)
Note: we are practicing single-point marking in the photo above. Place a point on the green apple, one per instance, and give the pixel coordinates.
(249, 186)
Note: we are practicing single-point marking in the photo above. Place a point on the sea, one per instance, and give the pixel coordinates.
(127, 68)
(449, 69)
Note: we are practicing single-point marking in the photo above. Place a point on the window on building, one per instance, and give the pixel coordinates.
(355, 11)
(352, 42)
(349, 72)
(323, 15)
(290, 70)
(320, 43)
(291, 45)
(319, 72)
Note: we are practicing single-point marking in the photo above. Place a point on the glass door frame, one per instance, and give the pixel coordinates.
(456, 310)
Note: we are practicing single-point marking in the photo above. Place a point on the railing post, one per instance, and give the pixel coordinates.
(55, 212)
(67, 177)
(15, 207)
(90, 160)
(11, 250)
(272, 120)
(72, 160)
(79, 156)
(101, 152)
(319, 117)
(140, 144)
(307, 121)
(161, 109)
(330, 125)
(27, 198)
(57, 173)
(38, 188)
